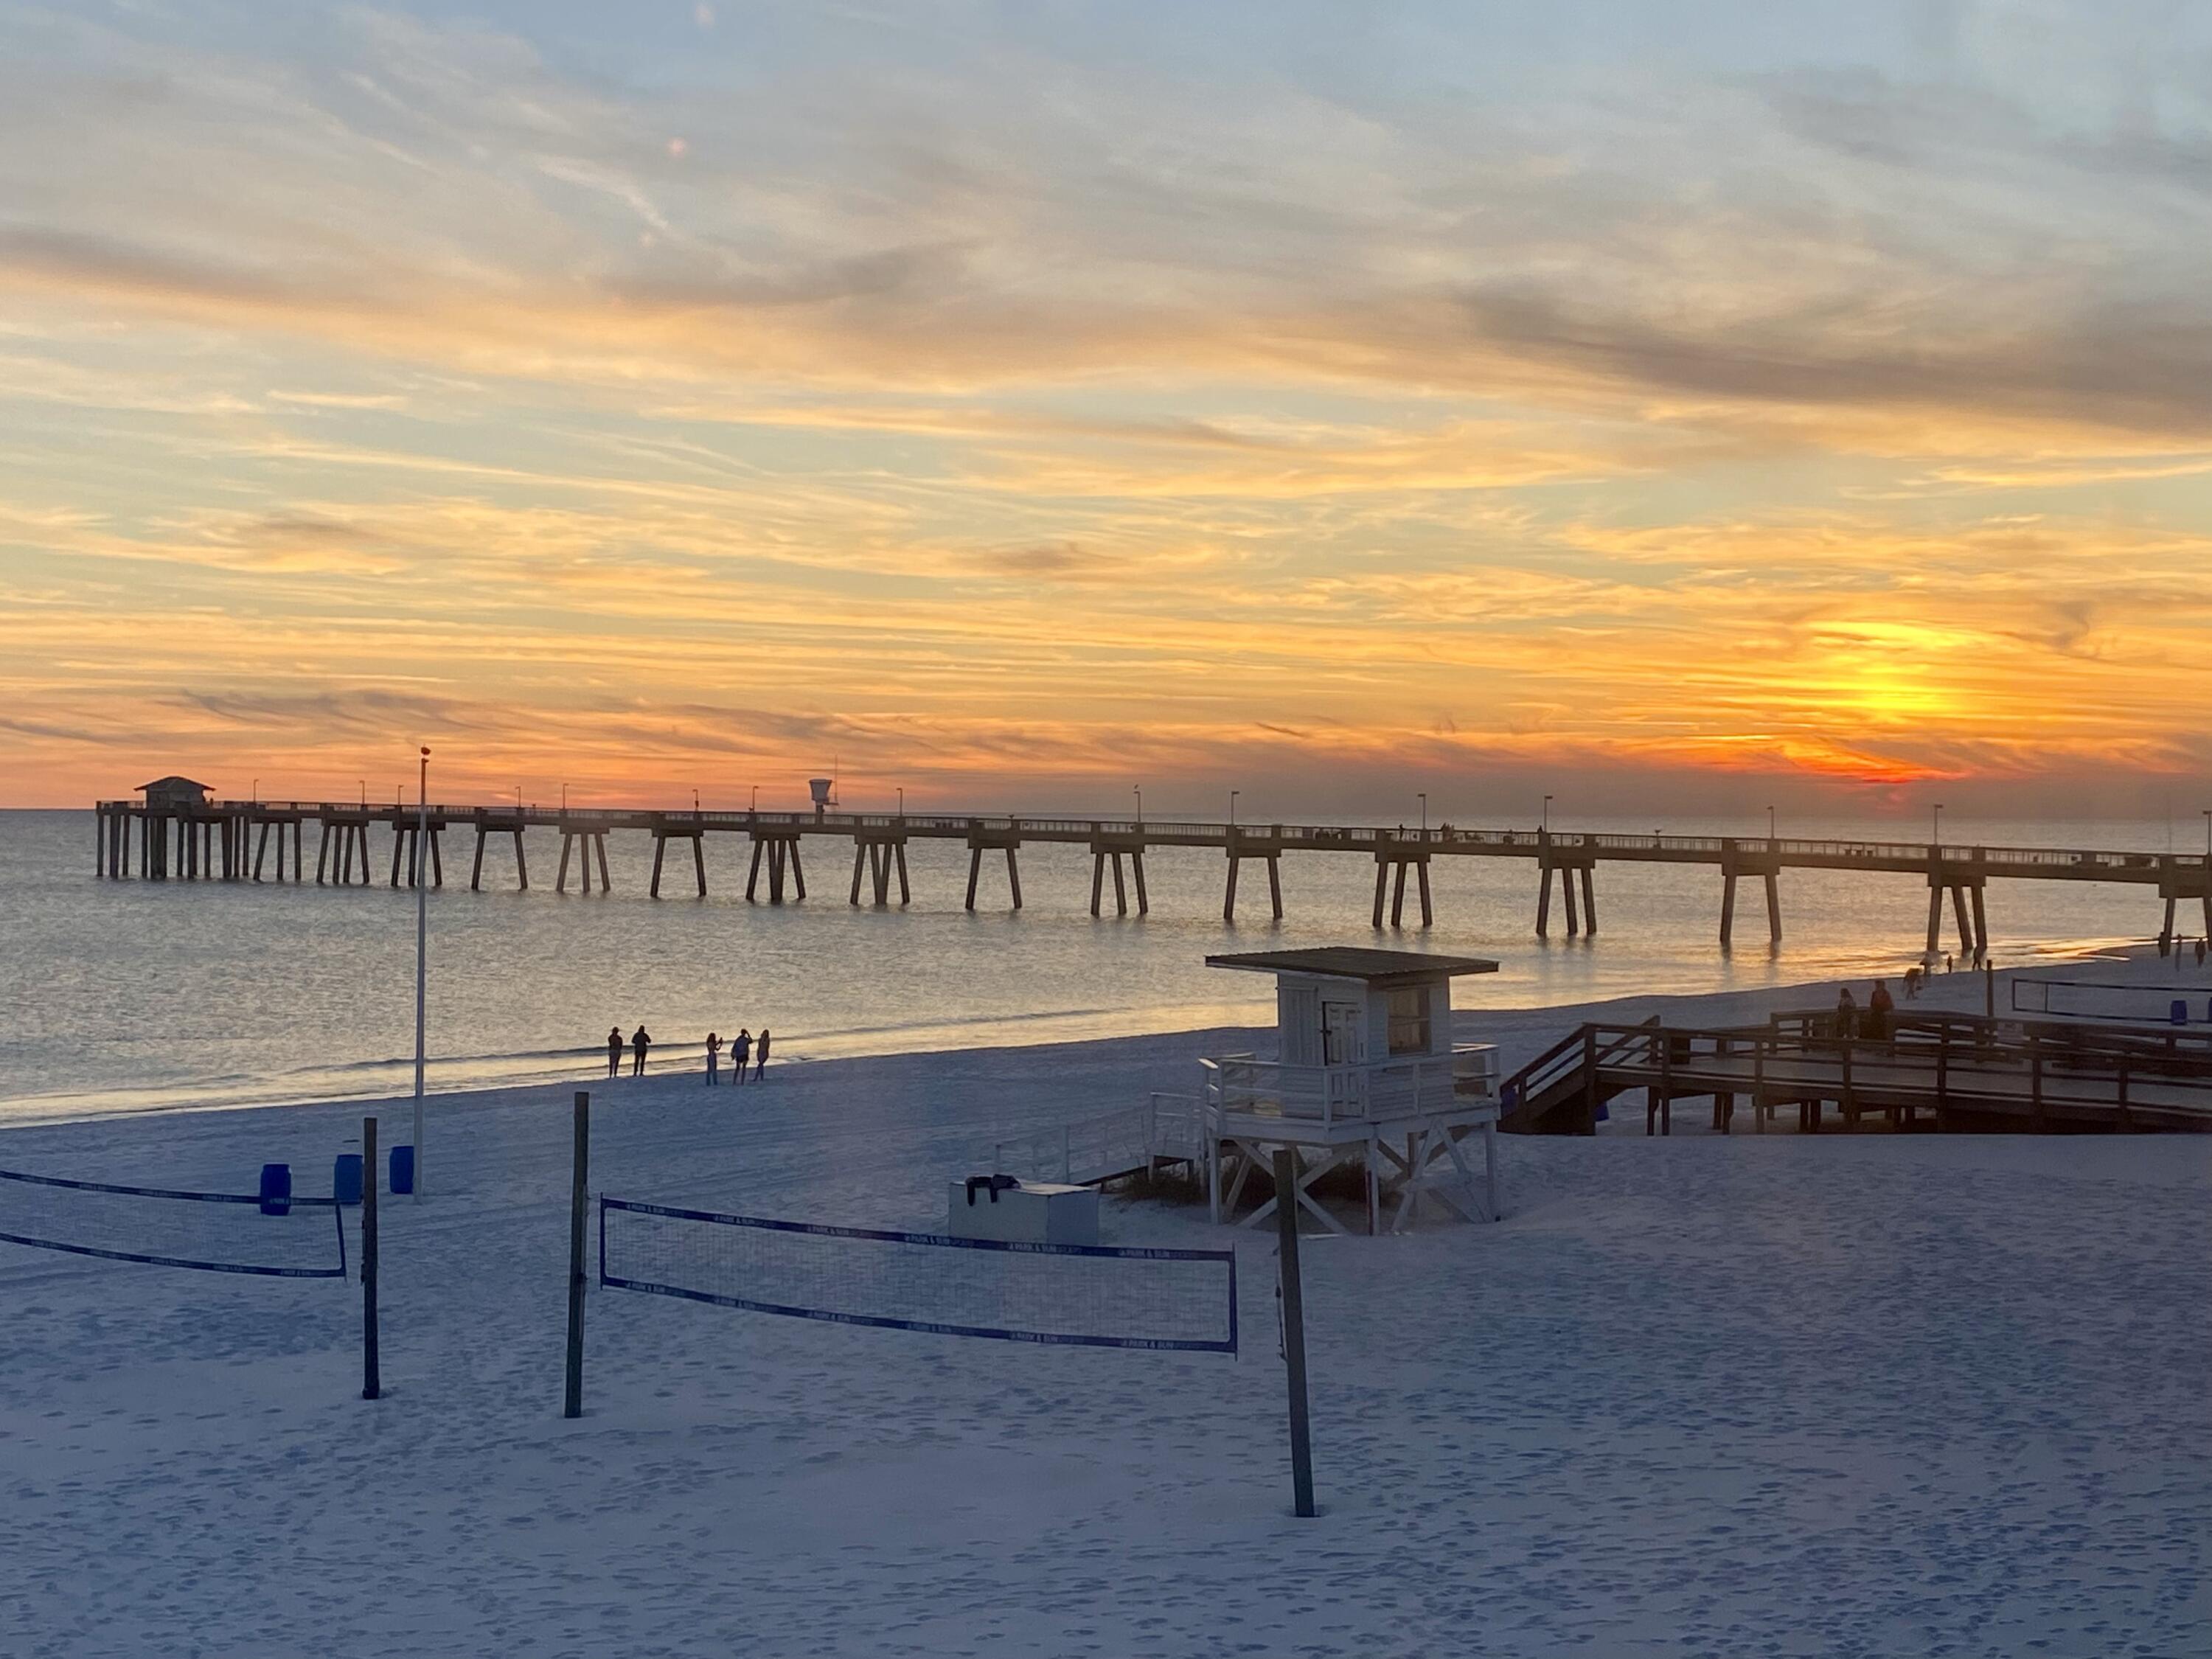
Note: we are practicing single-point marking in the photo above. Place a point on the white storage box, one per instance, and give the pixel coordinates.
(1033, 1212)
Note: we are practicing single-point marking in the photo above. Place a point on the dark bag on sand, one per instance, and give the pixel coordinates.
(993, 1184)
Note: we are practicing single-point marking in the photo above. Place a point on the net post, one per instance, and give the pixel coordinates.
(372, 1380)
(1294, 1329)
(573, 1402)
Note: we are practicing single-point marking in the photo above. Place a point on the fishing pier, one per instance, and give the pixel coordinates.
(180, 834)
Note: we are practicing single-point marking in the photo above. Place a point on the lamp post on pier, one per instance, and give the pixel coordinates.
(901, 797)
(1770, 827)
(1936, 834)
(421, 956)
(1232, 807)
(1139, 789)
(1547, 812)
(1425, 814)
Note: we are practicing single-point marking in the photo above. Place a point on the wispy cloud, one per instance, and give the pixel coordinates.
(1030, 401)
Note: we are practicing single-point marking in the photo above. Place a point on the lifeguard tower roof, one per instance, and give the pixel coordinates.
(1383, 968)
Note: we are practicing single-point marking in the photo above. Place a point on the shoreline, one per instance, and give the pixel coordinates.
(1519, 1032)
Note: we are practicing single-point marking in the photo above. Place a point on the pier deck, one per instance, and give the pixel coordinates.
(213, 841)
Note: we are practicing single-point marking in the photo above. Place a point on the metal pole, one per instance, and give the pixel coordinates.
(572, 1400)
(421, 956)
(1294, 1330)
(372, 1380)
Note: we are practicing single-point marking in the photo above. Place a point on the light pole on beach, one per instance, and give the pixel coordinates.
(421, 956)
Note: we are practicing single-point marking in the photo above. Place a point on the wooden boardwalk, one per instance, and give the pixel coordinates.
(1942, 1072)
(231, 841)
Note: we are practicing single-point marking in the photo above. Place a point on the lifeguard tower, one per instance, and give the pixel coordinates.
(1366, 1074)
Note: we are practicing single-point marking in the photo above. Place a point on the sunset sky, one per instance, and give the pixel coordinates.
(1651, 404)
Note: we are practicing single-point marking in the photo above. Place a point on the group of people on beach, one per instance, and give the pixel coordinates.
(746, 1051)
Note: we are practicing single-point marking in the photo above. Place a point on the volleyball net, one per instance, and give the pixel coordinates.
(1085, 1295)
(160, 1227)
(2076, 999)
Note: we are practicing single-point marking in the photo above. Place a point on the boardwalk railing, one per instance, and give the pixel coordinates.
(1965, 1070)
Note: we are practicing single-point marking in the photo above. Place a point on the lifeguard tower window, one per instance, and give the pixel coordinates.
(1409, 1020)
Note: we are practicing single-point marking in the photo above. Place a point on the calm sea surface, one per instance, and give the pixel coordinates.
(118, 996)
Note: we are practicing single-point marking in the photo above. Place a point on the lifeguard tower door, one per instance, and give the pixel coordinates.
(1343, 1033)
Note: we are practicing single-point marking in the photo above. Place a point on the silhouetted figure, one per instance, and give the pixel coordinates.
(1880, 1006)
(1911, 983)
(741, 1053)
(714, 1057)
(613, 1052)
(1847, 1013)
(761, 1064)
(640, 1042)
(2200, 953)
(1948, 962)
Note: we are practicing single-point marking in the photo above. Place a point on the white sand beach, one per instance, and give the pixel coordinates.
(1865, 1394)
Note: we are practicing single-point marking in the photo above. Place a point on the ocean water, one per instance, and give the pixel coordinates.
(127, 995)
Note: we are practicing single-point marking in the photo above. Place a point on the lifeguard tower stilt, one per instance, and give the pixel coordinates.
(1367, 1077)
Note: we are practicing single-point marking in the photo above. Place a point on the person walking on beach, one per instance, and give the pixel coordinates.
(714, 1057)
(760, 1066)
(641, 1040)
(741, 1053)
(613, 1052)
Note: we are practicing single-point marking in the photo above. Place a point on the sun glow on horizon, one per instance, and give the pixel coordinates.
(680, 402)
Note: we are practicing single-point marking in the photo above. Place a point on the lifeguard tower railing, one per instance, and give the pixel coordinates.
(1355, 1096)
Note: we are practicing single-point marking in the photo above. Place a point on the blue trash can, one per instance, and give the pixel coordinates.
(275, 1189)
(403, 1170)
(345, 1178)
(2179, 1013)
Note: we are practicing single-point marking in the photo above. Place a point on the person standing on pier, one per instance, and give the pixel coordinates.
(1847, 1013)
(639, 1041)
(714, 1057)
(760, 1066)
(614, 1051)
(741, 1053)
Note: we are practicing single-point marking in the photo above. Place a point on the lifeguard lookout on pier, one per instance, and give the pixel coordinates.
(1366, 1076)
